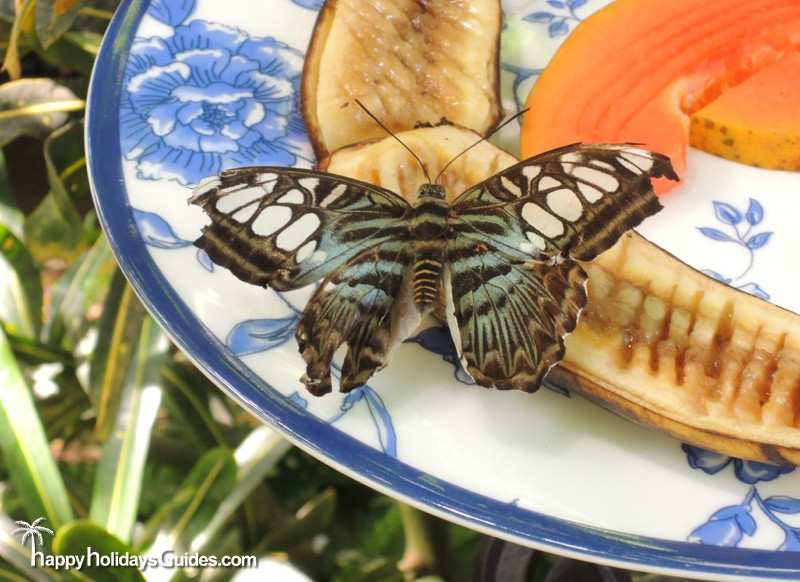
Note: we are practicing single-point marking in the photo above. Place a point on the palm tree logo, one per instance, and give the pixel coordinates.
(34, 530)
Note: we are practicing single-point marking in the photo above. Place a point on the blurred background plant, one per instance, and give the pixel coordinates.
(106, 430)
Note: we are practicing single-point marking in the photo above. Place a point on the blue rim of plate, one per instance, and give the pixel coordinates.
(325, 442)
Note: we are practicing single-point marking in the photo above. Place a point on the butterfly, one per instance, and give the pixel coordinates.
(505, 255)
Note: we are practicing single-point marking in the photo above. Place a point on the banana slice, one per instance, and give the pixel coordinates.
(407, 61)
(658, 342)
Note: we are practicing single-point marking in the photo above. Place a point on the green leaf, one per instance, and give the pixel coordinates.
(55, 230)
(75, 50)
(26, 452)
(82, 287)
(10, 214)
(189, 512)
(34, 107)
(118, 334)
(66, 162)
(20, 287)
(120, 472)
(255, 457)
(23, 19)
(315, 516)
(54, 18)
(81, 537)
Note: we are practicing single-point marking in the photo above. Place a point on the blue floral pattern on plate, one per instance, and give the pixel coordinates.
(208, 97)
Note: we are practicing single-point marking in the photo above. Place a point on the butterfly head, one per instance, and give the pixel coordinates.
(430, 192)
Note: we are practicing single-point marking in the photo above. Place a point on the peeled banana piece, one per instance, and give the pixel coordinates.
(407, 61)
(658, 342)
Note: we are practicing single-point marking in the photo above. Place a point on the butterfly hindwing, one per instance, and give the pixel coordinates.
(286, 228)
(574, 201)
(508, 317)
(356, 305)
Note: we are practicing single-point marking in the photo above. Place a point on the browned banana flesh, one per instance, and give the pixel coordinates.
(407, 61)
(658, 342)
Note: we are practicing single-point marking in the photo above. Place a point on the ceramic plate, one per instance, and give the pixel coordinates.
(186, 88)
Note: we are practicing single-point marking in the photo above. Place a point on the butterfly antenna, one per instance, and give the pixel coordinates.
(483, 139)
(387, 130)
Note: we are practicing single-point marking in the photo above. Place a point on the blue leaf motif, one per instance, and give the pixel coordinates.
(752, 472)
(755, 212)
(310, 4)
(298, 400)
(727, 213)
(758, 240)
(156, 232)
(715, 234)
(782, 504)
(439, 341)
(258, 335)
(792, 542)
(726, 527)
(205, 260)
(707, 461)
(717, 276)
(540, 17)
(573, 4)
(558, 28)
(380, 416)
(755, 290)
(172, 12)
(556, 4)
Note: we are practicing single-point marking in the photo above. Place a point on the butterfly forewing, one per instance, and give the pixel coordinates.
(574, 201)
(286, 228)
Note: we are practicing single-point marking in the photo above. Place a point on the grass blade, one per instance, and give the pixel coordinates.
(120, 472)
(25, 449)
(20, 287)
(118, 335)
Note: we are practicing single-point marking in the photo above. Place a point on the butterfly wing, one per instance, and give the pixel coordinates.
(574, 201)
(368, 304)
(286, 228)
(513, 286)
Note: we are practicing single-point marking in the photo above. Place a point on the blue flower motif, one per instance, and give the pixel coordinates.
(209, 98)
(726, 527)
(156, 232)
(749, 472)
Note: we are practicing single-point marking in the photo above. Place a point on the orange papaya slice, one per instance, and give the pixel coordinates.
(758, 121)
(637, 69)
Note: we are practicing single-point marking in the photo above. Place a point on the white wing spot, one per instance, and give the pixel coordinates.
(510, 186)
(293, 196)
(297, 232)
(206, 184)
(602, 165)
(531, 172)
(565, 203)
(571, 158)
(536, 239)
(590, 193)
(542, 220)
(232, 201)
(334, 195)
(597, 178)
(271, 219)
(265, 177)
(245, 213)
(639, 158)
(548, 183)
(305, 251)
(309, 183)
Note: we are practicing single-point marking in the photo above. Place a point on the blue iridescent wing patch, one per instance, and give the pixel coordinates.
(505, 253)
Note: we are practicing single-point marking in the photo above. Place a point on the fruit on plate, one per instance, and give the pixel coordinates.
(758, 121)
(657, 342)
(407, 61)
(637, 69)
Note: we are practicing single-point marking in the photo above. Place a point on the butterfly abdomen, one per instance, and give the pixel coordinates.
(427, 277)
(428, 227)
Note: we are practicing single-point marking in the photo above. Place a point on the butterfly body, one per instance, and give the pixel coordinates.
(506, 253)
